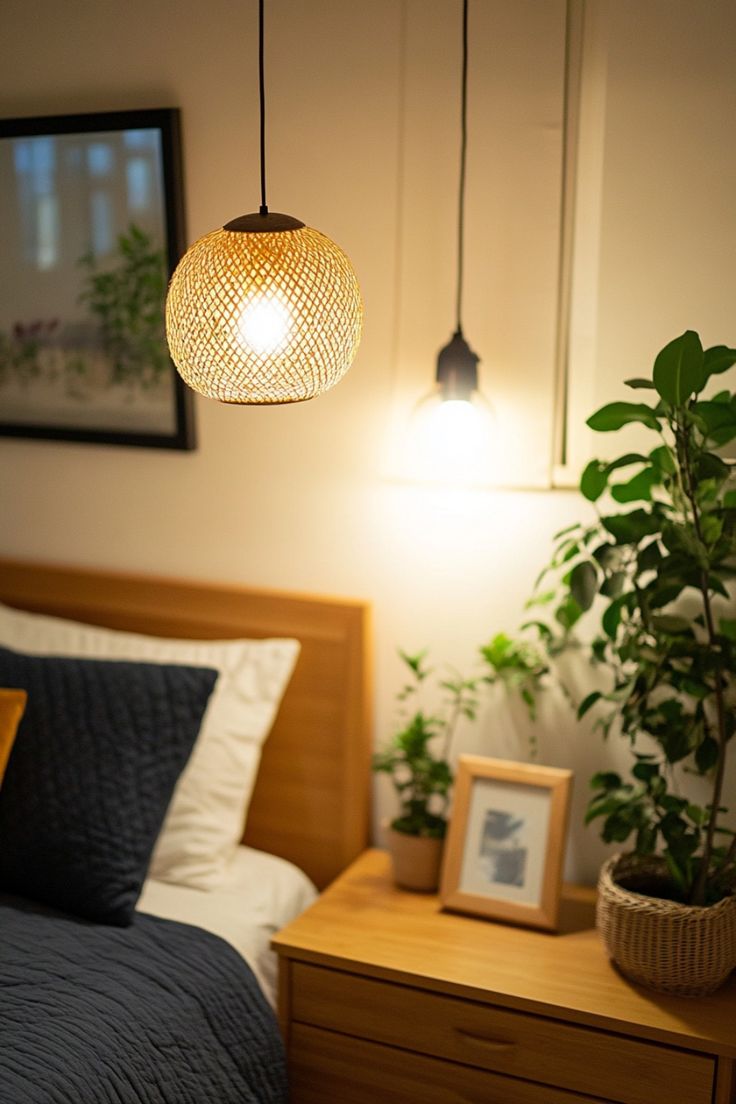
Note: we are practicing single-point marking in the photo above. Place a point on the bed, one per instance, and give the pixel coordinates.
(177, 1005)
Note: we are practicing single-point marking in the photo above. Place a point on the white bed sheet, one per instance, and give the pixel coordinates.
(258, 895)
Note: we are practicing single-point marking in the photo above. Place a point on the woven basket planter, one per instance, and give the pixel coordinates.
(661, 944)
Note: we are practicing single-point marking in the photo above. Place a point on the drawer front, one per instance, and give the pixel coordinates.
(513, 1043)
(327, 1068)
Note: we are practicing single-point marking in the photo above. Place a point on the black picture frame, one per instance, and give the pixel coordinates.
(167, 245)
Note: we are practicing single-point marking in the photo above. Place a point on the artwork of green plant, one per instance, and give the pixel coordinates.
(128, 303)
(656, 563)
(126, 306)
(417, 758)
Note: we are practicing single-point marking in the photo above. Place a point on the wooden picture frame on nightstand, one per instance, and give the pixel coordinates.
(506, 841)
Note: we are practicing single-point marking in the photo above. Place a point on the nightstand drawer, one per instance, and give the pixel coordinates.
(511, 1043)
(327, 1068)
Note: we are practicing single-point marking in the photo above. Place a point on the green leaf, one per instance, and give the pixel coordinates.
(712, 528)
(715, 582)
(639, 383)
(681, 539)
(718, 359)
(613, 804)
(697, 815)
(706, 754)
(593, 480)
(727, 627)
(605, 780)
(710, 466)
(649, 557)
(645, 772)
(568, 613)
(584, 584)
(674, 825)
(528, 698)
(621, 691)
(630, 528)
(689, 418)
(659, 596)
(678, 369)
(568, 529)
(542, 599)
(612, 617)
(618, 414)
(544, 630)
(672, 625)
(625, 461)
(719, 419)
(613, 585)
(676, 873)
(415, 663)
(609, 556)
(498, 649)
(707, 491)
(586, 704)
(637, 489)
(646, 840)
(664, 458)
(617, 828)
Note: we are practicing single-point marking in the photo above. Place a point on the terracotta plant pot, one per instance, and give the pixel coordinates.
(661, 944)
(416, 860)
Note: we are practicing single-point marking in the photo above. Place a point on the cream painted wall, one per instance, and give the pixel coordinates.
(656, 198)
(362, 142)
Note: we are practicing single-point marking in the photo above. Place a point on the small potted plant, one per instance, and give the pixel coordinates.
(656, 563)
(417, 761)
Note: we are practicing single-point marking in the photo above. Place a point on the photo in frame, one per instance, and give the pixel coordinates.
(505, 845)
(92, 225)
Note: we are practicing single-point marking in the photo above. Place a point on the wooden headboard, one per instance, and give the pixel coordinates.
(311, 801)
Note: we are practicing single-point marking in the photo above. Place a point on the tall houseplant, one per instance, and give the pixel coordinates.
(657, 562)
(417, 761)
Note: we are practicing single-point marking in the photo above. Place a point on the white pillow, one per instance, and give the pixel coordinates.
(205, 819)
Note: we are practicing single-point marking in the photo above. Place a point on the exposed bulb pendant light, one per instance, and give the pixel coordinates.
(450, 433)
(457, 364)
(264, 310)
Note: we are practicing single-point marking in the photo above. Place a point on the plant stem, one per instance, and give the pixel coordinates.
(450, 731)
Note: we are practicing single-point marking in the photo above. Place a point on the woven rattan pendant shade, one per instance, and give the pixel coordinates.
(263, 317)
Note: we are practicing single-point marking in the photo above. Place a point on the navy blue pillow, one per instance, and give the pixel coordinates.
(90, 777)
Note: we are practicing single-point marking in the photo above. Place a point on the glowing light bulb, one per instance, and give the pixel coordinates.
(265, 324)
(450, 441)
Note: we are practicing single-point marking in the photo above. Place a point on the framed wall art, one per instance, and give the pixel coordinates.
(92, 225)
(505, 845)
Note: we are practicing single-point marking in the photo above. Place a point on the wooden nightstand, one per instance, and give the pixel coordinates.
(384, 997)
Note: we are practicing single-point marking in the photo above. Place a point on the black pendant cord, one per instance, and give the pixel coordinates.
(463, 151)
(262, 95)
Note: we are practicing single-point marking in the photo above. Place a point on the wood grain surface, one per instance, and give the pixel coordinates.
(364, 925)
